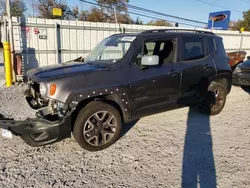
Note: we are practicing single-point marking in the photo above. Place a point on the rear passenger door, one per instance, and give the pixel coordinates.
(197, 68)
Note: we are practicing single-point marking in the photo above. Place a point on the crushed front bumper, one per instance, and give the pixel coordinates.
(52, 124)
(38, 131)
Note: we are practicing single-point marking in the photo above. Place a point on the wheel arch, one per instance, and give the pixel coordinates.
(118, 99)
(226, 80)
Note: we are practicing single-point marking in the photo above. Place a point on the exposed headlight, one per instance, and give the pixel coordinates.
(237, 69)
(43, 89)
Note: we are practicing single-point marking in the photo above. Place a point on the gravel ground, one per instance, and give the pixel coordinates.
(12, 102)
(180, 148)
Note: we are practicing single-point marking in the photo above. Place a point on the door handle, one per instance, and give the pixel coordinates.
(172, 74)
(207, 66)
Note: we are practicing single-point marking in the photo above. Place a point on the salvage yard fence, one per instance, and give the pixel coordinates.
(42, 42)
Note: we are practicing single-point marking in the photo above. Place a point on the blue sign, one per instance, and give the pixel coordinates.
(219, 20)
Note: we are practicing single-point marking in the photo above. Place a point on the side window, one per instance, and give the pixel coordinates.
(211, 45)
(150, 47)
(194, 48)
(144, 51)
(163, 48)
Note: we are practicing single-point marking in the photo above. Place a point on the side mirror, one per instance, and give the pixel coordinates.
(150, 60)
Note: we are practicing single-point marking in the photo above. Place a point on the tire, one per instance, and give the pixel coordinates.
(214, 100)
(97, 126)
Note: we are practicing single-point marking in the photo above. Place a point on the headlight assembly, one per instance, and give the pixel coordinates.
(237, 69)
(43, 89)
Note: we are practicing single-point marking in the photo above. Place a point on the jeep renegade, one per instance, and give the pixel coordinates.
(125, 77)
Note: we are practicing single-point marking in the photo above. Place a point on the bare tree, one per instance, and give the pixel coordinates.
(160, 23)
(17, 7)
(45, 8)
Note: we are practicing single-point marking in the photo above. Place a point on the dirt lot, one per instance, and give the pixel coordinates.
(181, 148)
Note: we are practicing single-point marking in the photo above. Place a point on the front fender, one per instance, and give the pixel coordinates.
(118, 95)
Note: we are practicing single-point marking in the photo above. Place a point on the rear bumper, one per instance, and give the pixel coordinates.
(39, 132)
(242, 79)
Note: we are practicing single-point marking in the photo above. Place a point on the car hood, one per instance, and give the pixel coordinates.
(45, 73)
(245, 65)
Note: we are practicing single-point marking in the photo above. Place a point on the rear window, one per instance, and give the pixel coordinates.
(211, 45)
(194, 48)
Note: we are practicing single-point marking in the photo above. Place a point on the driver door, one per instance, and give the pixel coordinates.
(155, 88)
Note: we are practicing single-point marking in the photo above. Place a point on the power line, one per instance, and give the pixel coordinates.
(163, 14)
(215, 5)
(139, 14)
(149, 11)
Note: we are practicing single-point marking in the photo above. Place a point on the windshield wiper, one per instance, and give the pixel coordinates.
(79, 59)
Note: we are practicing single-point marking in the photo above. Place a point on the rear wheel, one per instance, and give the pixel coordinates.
(215, 99)
(97, 126)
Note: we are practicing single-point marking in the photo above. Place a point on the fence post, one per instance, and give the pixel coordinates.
(58, 43)
(11, 39)
(5, 31)
(241, 41)
(7, 63)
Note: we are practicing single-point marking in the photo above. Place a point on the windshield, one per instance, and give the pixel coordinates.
(111, 49)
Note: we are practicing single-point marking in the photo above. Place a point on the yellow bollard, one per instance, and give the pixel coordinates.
(7, 64)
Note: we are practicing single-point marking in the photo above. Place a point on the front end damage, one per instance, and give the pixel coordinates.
(51, 124)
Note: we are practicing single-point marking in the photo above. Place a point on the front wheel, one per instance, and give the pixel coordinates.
(215, 99)
(97, 126)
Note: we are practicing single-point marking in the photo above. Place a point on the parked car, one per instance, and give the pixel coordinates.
(125, 77)
(241, 74)
(236, 58)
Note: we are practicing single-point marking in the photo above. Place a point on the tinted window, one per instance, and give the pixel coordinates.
(211, 45)
(220, 46)
(194, 48)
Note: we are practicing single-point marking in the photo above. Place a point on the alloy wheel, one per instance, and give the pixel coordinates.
(100, 128)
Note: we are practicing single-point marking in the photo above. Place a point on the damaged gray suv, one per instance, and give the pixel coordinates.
(126, 77)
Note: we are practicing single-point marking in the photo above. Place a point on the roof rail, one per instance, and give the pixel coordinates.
(176, 30)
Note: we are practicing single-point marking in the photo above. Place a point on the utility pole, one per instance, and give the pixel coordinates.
(10, 34)
(212, 25)
(116, 19)
(33, 8)
(115, 16)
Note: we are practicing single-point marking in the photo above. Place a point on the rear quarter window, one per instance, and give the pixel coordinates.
(220, 46)
(211, 45)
